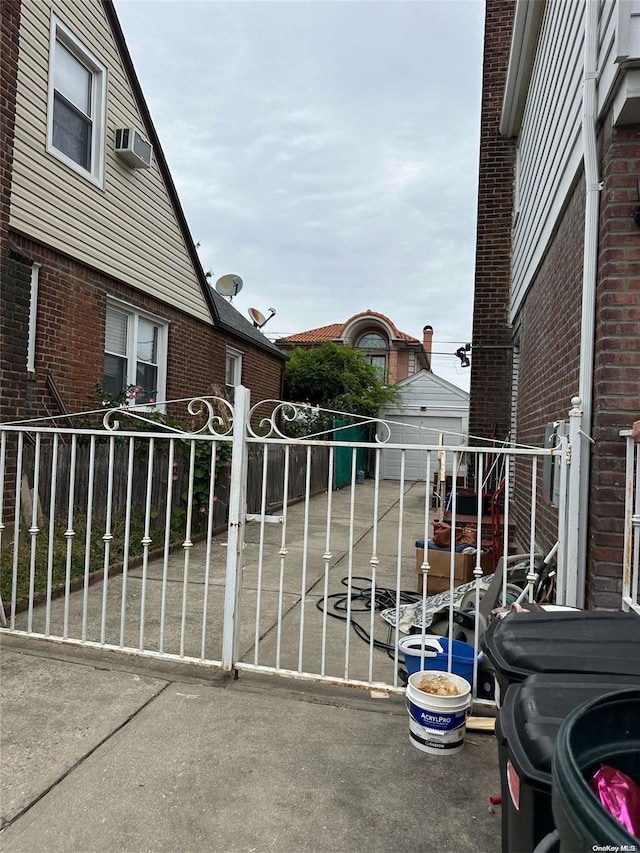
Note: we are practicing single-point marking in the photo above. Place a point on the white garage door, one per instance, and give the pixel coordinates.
(408, 430)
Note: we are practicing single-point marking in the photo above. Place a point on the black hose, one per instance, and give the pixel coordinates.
(365, 599)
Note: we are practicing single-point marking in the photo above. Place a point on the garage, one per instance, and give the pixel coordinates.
(426, 407)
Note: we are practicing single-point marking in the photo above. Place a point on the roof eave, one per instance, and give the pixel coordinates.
(267, 346)
(527, 21)
(158, 153)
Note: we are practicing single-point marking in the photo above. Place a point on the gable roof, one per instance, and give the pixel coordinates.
(231, 319)
(158, 153)
(224, 315)
(335, 331)
(423, 377)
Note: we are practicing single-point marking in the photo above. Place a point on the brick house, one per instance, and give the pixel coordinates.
(396, 354)
(101, 282)
(557, 282)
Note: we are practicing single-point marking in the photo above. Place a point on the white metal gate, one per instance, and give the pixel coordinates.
(227, 545)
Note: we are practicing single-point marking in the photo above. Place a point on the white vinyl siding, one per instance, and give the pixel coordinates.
(607, 66)
(515, 379)
(550, 145)
(549, 142)
(628, 30)
(128, 229)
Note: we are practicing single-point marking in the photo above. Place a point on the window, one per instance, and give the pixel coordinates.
(77, 99)
(33, 312)
(372, 341)
(233, 374)
(135, 354)
(380, 363)
(370, 346)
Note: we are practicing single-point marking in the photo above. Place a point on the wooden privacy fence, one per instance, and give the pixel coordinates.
(72, 472)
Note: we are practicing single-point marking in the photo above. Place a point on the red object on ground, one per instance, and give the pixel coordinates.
(495, 801)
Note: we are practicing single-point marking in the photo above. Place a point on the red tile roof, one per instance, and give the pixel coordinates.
(335, 331)
(324, 333)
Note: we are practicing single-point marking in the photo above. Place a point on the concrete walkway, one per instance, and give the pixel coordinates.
(119, 754)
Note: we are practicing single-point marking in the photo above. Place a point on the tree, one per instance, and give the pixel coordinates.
(337, 377)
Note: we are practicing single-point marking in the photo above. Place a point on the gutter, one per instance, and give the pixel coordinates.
(589, 280)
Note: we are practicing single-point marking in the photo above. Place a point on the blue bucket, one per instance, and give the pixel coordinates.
(462, 658)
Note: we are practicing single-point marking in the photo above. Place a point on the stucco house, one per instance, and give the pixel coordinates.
(426, 406)
(557, 289)
(101, 282)
(396, 354)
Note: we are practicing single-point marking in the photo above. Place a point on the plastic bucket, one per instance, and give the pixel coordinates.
(436, 655)
(437, 723)
(602, 731)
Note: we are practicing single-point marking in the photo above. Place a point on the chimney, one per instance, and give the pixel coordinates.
(427, 340)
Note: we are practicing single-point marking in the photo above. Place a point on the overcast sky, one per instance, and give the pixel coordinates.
(325, 151)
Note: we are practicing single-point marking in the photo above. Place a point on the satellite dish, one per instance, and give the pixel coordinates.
(258, 317)
(229, 285)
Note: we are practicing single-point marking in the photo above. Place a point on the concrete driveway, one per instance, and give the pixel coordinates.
(122, 754)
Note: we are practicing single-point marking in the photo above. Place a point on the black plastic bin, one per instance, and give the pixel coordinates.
(604, 731)
(526, 730)
(573, 641)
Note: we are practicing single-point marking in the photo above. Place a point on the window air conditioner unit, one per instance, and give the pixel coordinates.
(133, 148)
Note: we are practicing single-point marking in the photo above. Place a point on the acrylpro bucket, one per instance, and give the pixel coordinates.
(437, 721)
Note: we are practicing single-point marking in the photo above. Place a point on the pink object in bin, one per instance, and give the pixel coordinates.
(620, 796)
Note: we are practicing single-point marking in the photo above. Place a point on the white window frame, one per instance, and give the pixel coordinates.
(61, 33)
(236, 357)
(33, 315)
(134, 314)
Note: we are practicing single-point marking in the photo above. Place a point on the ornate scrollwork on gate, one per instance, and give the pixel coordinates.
(212, 415)
(269, 425)
(312, 422)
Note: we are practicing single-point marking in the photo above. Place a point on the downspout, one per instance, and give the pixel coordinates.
(589, 279)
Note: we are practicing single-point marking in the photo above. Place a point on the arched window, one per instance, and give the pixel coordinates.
(372, 341)
(370, 345)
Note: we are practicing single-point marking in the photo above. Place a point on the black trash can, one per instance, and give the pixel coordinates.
(603, 731)
(574, 641)
(526, 730)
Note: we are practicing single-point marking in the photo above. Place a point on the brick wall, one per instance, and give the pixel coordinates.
(490, 389)
(617, 358)
(15, 287)
(12, 284)
(549, 338)
(70, 338)
(548, 325)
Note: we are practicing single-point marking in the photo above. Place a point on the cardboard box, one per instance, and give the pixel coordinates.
(440, 568)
